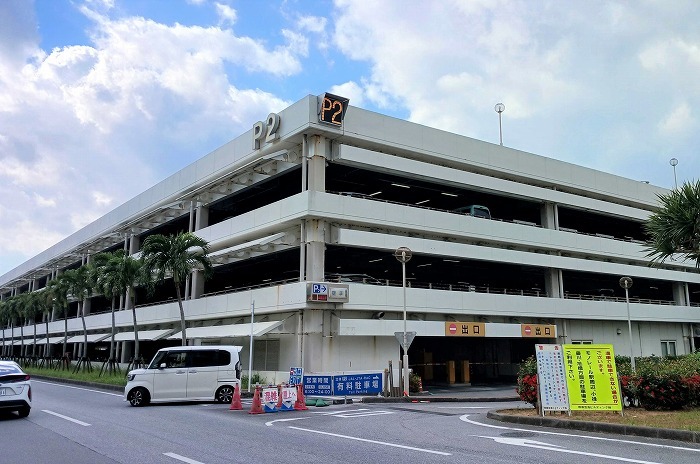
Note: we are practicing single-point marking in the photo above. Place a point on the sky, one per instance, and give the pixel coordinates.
(102, 99)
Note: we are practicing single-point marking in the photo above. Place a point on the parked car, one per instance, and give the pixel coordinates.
(475, 210)
(186, 373)
(15, 389)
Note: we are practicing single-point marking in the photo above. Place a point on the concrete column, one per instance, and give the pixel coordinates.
(134, 244)
(202, 219)
(548, 216)
(552, 283)
(680, 292)
(319, 148)
(315, 249)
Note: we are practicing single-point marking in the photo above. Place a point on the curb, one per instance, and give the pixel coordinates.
(602, 427)
(436, 399)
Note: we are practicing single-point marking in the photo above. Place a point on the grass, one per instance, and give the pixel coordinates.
(688, 419)
(82, 375)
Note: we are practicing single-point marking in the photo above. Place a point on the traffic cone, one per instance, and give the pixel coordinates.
(300, 404)
(236, 404)
(279, 397)
(256, 408)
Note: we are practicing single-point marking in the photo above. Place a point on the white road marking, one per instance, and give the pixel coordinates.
(363, 414)
(84, 424)
(78, 388)
(464, 407)
(182, 458)
(465, 418)
(269, 423)
(549, 447)
(395, 445)
(330, 413)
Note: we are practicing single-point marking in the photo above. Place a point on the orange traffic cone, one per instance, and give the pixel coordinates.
(256, 408)
(300, 404)
(279, 397)
(236, 400)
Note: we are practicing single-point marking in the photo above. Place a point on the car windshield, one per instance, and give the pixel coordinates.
(9, 369)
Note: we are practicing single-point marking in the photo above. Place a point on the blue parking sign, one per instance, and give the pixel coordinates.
(358, 384)
(318, 385)
(295, 375)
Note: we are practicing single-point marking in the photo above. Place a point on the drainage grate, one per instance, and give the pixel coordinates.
(421, 411)
(519, 434)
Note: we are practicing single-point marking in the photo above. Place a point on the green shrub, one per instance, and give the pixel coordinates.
(527, 381)
(257, 379)
(415, 383)
(665, 391)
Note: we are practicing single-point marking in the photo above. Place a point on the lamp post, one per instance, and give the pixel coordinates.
(250, 354)
(403, 255)
(626, 283)
(500, 108)
(673, 162)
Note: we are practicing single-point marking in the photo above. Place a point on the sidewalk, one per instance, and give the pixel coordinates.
(454, 393)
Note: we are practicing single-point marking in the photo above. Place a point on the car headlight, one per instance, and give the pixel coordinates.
(130, 377)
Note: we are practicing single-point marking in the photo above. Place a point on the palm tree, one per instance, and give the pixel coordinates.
(32, 308)
(59, 292)
(15, 310)
(4, 321)
(80, 285)
(675, 228)
(47, 301)
(178, 256)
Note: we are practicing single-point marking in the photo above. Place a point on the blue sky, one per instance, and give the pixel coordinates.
(101, 99)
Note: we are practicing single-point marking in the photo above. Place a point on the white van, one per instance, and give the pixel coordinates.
(186, 373)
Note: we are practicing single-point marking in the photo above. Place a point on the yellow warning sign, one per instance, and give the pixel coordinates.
(591, 378)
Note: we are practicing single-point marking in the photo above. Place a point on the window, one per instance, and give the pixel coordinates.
(668, 348)
(206, 358)
(581, 342)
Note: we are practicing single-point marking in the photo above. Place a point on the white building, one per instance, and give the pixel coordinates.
(297, 201)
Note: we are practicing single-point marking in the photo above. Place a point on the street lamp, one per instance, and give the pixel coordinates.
(500, 108)
(673, 162)
(626, 283)
(403, 255)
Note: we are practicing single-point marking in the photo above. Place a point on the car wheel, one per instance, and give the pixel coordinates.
(138, 397)
(23, 412)
(224, 394)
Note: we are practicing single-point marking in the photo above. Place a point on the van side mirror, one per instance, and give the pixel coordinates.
(162, 366)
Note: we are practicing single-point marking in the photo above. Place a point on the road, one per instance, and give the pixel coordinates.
(78, 425)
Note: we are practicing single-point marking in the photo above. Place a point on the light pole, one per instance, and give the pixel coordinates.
(250, 354)
(403, 255)
(626, 283)
(500, 108)
(673, 162)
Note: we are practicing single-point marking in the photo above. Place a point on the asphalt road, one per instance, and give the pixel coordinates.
(79, 425)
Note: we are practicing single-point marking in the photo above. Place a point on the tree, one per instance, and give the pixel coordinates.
(675, 227)
(59, 292)
(4, 322)
(81, 285)
(178, 256)
(32, 307)
(47, 303)
(117, 274)
(15, 310)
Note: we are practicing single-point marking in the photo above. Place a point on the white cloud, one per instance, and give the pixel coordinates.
(227, 15)
(316, 24)
(585, 83)
(86, 127)
(352, 91)
(680, 120)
